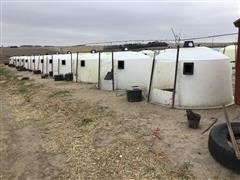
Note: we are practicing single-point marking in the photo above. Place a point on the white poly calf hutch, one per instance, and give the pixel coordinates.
(85, 67)
(36, 64)
(26, 64)
(11, 61)
(124, 70)
(203, 78)
(29, 63)
(33, 63)
(22, 61)
(41, 64)
(149, 53)
(47, 64)
(18, 61)
(231, 52)
(62, 64)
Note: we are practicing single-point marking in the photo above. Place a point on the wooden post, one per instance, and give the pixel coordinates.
(232, 137)
(99, 66)
(151, 77)
(175, 77)
(237, 67)
(52, 65)
(38, 62)
(31, 62)
(34, 65)
(71, 63)
(77, 68)
(113, 72)
(42, 64)
(58, 66)
(27, 64)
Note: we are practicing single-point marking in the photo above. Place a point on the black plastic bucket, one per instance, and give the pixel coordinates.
(44, 76)
(134, 95)
(37, 72)
(69, 77)
(58, 77)
(193, 122)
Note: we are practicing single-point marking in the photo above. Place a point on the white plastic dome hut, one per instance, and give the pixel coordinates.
(62, 64)
(23, 61)
(18, 61)
(32, 62)
(11, 60)
(203, 79)
(129, 69)
(85, 67)
(47, 64)
(231, 52)
(41, 63)
(35, 61)
(149, 53)
(26, 61)
(14, 62)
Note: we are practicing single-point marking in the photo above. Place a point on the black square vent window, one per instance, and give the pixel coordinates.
(63, 62)
(50, 61)
(33, 60)
(120, 64)
(82, 63)
(22, 60)
(18, 60)
(41, 60)
(26, 60)
(188, 68)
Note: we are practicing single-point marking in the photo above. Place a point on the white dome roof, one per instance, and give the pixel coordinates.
(185, 54)
(127, 55)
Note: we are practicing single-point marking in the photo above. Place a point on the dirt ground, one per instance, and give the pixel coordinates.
(65, 130)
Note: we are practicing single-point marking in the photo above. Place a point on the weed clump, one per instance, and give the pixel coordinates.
(59, 93)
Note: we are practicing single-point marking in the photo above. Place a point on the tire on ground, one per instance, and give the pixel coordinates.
(219, 147)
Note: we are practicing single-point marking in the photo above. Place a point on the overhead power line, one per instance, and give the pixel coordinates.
(163, 40)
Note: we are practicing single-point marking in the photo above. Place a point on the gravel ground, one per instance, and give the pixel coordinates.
(64, 130)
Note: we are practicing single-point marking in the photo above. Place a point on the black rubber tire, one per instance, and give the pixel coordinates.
(219, 148)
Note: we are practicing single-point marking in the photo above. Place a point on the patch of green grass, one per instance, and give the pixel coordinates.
(184, 170)
(23, 90)
(84, 122)
(61, 93)
(6, 74)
